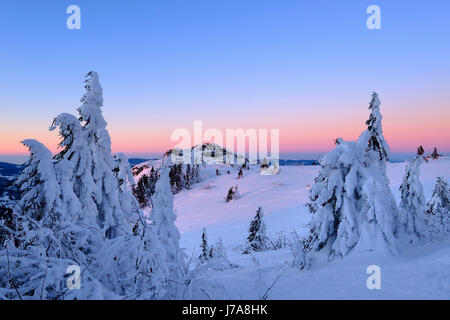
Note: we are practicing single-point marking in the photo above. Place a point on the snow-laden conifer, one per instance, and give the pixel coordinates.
(352, 205)
(435, 155)
(111, 216)
(34, 264)
(377, 147)
(39, 209)
(257, 238)
(78, 189)
(163, 219)
(437, 215)
(126, 183)
(134, 265)
(204, 248)
(412, 204)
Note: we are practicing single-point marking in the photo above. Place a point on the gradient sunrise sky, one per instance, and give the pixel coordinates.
(307, 68)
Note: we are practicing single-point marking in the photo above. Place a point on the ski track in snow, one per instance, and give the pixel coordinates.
(416, 273)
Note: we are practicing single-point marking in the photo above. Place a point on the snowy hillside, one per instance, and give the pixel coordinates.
(248, 231)
(416, 273)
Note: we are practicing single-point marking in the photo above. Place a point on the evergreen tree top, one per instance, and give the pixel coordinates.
(92, 101)
(377, 147)
(375, 102)
(94, 91)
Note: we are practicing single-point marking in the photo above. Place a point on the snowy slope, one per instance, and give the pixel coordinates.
(417, 273)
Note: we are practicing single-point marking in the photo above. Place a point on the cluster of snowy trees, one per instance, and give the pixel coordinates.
(434, 155)
(145, 188)
(180, 176)
(183, 176)
(421, 220)
(352, 205)
(77, 212)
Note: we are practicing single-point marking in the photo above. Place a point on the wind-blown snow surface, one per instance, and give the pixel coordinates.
(421, 272)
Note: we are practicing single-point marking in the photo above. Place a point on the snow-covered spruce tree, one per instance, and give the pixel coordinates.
(134, 265)
(163, 219)
(187, 176)
(237, 195)
(39, 209)
(420, 150)
(34, 266)
(331, 205)
(126, 182)
(204, 253)
(219, 250)
(141, 191)
(380, 213)
(352, 205)
(437, 216)
(412, 204)
(257, 239)
(435, 155)
(299, 252)
(111, 216)
(181, 183)
(211, 252)
(232, 194)
(377, 146)
(78, 190)
(73, 163)
(195, 173)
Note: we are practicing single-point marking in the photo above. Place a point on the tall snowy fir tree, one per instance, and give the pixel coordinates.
(257, 238)
(111, 216)
(163, 219)
(78, 189)
(381, 216)
(437, 216)
(204, 247)
(128, 202)
(39, 209)
(351, 203)
(412, 204)
(377, 146)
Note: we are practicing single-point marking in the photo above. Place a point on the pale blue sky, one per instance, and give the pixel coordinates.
(256, 63)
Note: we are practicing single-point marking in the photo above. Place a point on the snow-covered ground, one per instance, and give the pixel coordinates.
(416, 273)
